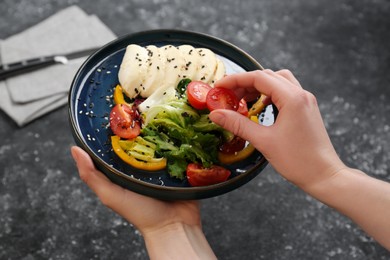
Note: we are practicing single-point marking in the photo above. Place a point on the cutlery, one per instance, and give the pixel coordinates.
(24, 66)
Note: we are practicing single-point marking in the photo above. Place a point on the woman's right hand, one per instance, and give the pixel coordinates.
(297, 144)
(298, 147)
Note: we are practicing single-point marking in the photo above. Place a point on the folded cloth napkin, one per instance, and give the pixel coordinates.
(31, 95)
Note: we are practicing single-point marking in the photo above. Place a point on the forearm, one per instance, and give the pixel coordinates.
(364, 199)
(178, 241)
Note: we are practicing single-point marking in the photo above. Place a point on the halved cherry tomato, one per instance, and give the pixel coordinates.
(222, 98)
(243, 107)
(196, 94)
(235, 145)
(124, 121)
(197, 175)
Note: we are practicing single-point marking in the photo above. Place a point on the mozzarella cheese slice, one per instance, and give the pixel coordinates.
(219, 72)
(133, 70)
(207, 65)
(191, 60)
(156, 70)
(173, 67)
(144, 70)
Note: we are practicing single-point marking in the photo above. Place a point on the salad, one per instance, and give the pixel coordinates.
(170, 129)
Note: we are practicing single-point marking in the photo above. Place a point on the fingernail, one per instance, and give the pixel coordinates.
(217, 116)
(74, 154)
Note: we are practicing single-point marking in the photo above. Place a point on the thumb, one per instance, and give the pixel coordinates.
(113, 196)
(239, 125)
(108, 193)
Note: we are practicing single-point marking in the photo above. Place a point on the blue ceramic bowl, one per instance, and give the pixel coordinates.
(90, 102)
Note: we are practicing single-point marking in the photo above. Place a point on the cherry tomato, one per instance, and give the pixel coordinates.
(222, 98)
(196, 94)
(235, 145)
(197, 175)
(124, 121)
(243, 108)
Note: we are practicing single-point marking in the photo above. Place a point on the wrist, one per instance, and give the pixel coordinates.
(324, 180)
(342, 191)
(319, 172)
(178, 241)
(363, 199)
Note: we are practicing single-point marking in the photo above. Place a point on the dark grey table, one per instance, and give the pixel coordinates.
(340, 51)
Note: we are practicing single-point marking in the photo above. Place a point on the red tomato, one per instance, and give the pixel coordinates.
(197, 175)
(222, 98)
(243, 107)
(235, 145)
(196, 94)
(124, 121)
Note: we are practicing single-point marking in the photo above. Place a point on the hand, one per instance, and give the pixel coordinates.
(297, 145)
(167, 227)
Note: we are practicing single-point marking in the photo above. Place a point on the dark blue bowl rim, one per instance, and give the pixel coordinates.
(142, 187)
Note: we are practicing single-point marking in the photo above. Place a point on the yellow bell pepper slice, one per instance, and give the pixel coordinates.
(257, 107)
(236, 157)
(241, 155)
(119, 98)
(148, 166)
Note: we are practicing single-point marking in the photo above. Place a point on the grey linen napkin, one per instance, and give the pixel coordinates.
(31, 95)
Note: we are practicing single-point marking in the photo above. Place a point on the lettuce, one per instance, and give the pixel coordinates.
(182, 135)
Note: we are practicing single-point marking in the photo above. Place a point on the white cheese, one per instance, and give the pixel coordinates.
(173, 67)
(207, 65)
(144, 70)
(156, 70)
(133, 70)
(160, 96)
(219, 72)
(191, 59)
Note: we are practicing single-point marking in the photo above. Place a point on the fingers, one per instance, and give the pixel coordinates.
(287, 74)
(239, 80)
(266, 82)
(109, 193)
(239, 125)
(241, 84)
(87, 170)
(280, 87)
(248, 80)
(277, 86)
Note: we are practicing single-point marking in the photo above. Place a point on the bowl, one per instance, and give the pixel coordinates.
(90, 102)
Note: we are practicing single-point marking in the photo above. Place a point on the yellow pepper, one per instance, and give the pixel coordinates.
(148, 166)
(226, 158)
(257, 107)
(118, 95)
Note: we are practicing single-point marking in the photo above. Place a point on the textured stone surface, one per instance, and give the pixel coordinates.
(339, 51)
